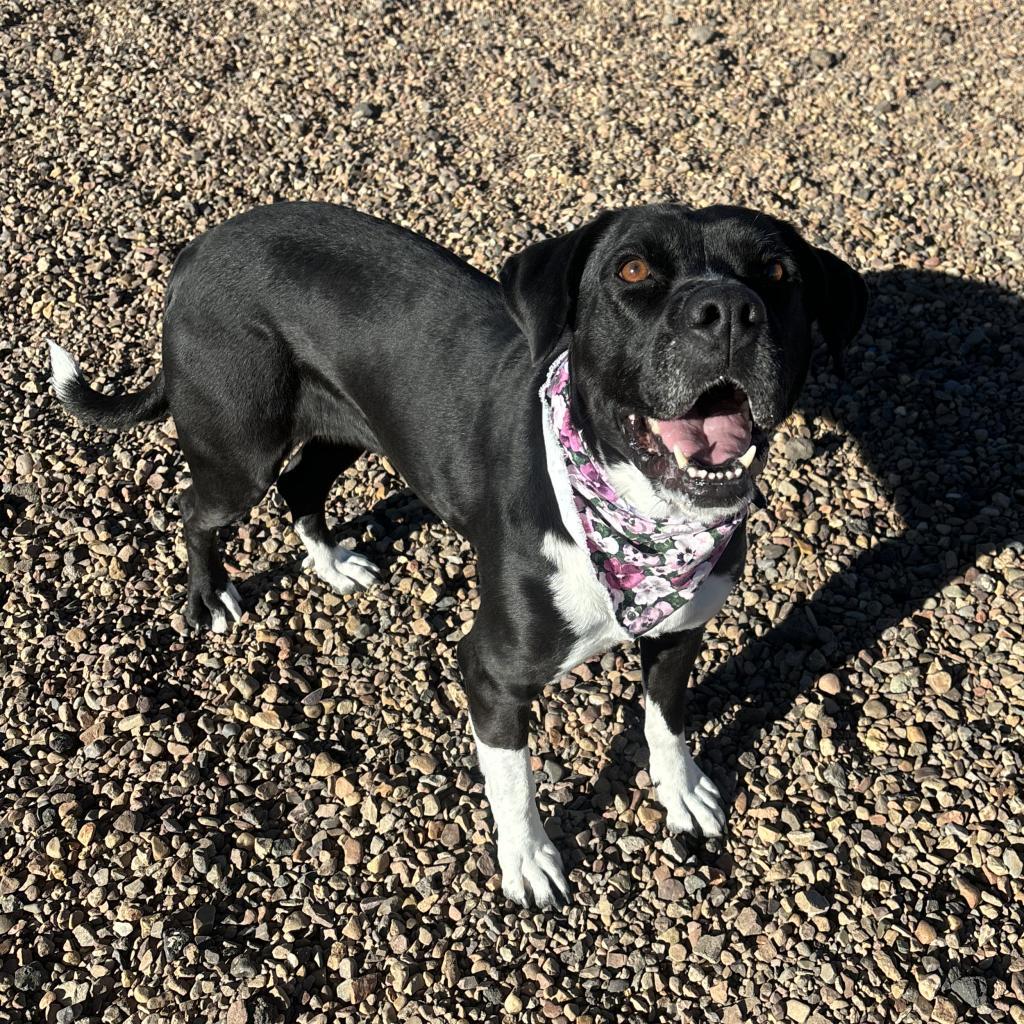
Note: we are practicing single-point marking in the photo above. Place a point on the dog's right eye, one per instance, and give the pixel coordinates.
(634, 271)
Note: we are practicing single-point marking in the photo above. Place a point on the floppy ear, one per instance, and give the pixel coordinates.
(540, 285)
(839, 304)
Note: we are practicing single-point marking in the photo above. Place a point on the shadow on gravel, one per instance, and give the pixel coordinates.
(934, 400)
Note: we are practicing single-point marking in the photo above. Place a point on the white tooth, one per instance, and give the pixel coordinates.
(681, 460)
(748, 456)
(690, 471)
(655, 427)
(702, 473)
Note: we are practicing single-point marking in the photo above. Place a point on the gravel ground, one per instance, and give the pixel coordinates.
(288, 823)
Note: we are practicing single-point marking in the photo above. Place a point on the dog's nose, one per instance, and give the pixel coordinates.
(727, 313)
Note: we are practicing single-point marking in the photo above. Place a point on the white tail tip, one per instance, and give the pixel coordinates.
(64, 368)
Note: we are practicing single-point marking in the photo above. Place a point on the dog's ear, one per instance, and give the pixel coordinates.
(540, 285)
(838, 299)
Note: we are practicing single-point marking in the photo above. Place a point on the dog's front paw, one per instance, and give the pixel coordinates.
(344, 570)
(691, 800)
(532, 868)
(214, 610)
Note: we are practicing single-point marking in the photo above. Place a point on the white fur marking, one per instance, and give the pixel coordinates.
(659, 503)
(530, 864)
(581, 601)
(64, 370)
(231, 600)
(342, 569)
(691, 800)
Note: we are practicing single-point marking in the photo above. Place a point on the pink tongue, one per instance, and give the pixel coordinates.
(713, 440)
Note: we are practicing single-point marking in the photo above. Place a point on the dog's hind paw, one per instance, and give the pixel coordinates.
(343, 570)
(216, 611)
(531, 871)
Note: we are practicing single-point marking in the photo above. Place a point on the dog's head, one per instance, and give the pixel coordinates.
(689, 336)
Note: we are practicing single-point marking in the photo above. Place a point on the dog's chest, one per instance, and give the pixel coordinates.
(584, 604)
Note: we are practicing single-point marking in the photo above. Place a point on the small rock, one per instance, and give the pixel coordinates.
(269, 719)
(970, 990)
(671, 889)
(297, 921)
(747, 922)
(938, 680)
(702, 34)
(829, 683)
(378, 865)
(797, 1010)
(29, 978)
(875, 709)
(128, 822)
(824, 59)
(709, 947)
(925, 933)
(798, 449)
(324, 766)
(365, 111)
(811, 902)
(425, 764)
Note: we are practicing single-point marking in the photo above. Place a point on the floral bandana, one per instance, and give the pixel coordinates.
(649, 567)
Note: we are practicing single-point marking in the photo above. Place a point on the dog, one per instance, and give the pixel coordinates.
(592, 423)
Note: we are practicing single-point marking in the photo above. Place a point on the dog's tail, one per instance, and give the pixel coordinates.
(91, 406)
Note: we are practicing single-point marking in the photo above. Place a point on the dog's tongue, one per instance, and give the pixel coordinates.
(714, 439)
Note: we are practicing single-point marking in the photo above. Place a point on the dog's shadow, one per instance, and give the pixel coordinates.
(934, 403)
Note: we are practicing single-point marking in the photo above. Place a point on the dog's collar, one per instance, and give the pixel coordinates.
(649, 567)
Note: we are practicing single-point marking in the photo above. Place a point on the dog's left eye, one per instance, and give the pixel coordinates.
(634, 271)
(775, 272)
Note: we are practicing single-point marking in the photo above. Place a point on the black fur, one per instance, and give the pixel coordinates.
(315, 326)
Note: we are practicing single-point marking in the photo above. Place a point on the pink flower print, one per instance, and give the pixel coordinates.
(570, 439)
(593, 476)
(650, 617)
(650, 589)
(620, 575)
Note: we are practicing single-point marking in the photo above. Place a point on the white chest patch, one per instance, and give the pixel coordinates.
(583, 602)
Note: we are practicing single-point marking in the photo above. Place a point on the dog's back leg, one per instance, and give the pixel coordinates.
(220, 494)
(304, 487)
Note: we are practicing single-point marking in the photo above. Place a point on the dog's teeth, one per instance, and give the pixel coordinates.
(691, 472)
(681, 460)
(748, 456)
(654, 427)
(702, 473)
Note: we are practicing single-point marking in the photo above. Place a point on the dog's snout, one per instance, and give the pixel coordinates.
(726, 313)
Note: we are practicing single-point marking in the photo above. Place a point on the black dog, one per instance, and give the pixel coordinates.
(688, 333)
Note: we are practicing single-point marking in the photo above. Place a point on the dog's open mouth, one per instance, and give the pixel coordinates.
(710, 445)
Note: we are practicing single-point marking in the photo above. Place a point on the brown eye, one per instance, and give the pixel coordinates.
(634, 271)
(776, 272)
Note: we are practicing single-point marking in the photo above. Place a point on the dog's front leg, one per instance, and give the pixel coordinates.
(691, 800)
(499, 712)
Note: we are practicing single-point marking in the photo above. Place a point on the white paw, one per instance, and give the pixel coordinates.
(691, 800)
(232, 609)
(342, 569)
(532, 868)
